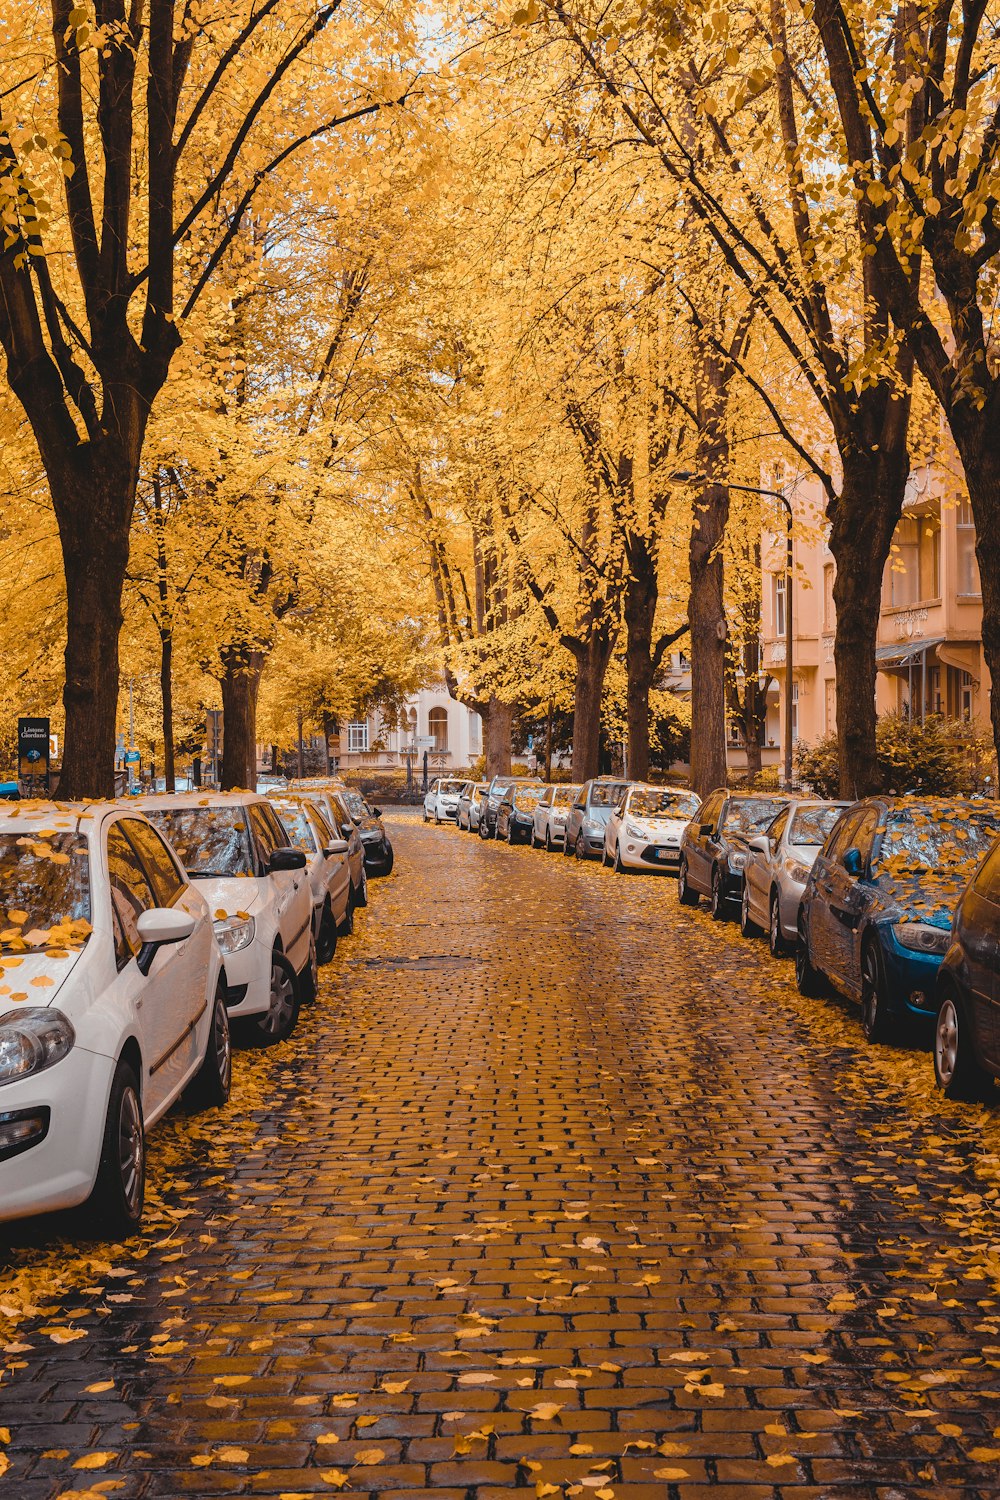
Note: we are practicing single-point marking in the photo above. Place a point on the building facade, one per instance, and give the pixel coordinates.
(431, 721)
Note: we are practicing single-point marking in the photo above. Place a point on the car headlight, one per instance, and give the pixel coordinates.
(234, 933)
(737, 861)
(923, 937)
(797, 872)
(632, 832)
(32, 1040)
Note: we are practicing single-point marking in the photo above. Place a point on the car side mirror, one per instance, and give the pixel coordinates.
(578, 807)
(761, 844)
(347, 829)
(159, 927)
(853, 863)
(336, 846)
(286, 859)
(376, 812)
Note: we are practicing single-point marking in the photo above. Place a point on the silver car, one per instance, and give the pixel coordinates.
(468, 798)
(549, 827)
(327, 865)
(778, 867)
(589, 813)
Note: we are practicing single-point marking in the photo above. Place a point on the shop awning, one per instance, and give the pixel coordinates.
(905, 654)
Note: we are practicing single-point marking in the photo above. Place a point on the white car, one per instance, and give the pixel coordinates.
(441, 801)
(235, 846)
(549, 826)
(329, 873)
(113, 1003)
(645, 829)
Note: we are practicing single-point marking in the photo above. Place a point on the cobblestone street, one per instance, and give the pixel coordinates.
(559, 1187)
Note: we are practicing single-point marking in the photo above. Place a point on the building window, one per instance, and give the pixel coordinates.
(915, 565)
(357, 737)
(437, 726)
(966, 691)
(965, 546)
(829, 613)
(779, 587)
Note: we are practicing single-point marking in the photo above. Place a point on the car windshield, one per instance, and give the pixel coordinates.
(301, 833)
(651, 802)
(811, 825)
(607, 793)
(210, 840)
(923, 838)
(752, 814)
(450, 787)
(528, 798)
(44, 890)
(355, 802)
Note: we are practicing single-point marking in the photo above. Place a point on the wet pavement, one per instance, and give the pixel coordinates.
(559, 1187)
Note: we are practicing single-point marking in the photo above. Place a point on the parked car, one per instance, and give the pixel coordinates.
(469, 803)
(234, 845)
(327, 869)
(645, 828)
(115, 1004)
(379, 854)
(967, 992)
(778, 868)
(550, 814)
(876, 914)
(714, 848)
(329, 795)
(441, 801)
(515, 815)
(495, 793)
(588, 816)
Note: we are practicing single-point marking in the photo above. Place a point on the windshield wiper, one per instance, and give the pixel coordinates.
(211, 874)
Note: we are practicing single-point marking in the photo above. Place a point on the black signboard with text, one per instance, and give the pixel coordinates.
(33, 752)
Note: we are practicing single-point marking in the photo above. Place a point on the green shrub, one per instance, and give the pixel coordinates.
(940, 758)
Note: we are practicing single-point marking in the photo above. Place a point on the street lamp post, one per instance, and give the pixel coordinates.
(684, 476)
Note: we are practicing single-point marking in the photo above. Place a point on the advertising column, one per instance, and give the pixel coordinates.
(33, 756)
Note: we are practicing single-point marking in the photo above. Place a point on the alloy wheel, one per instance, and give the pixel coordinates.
(774, 932)
(131, 1150)
(282, 1007)
(946, 1042)
(223, 1045)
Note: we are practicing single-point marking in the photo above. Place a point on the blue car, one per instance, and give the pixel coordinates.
(876, 915)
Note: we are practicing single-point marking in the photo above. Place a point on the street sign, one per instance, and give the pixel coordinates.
(132, 757)
(33, 752)
(424, 741)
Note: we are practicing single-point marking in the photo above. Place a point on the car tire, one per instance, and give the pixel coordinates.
(510, 834)
(957, 1070)
(212, 1083)
(437, 821)
(482, 830)
(115, 1205)
(809, 980)
(717, 901)
(389, 861)
(748, 927)
(359, 895)
(346, 927)
(278, 1021)
(326, 941)
(619, 868)
(427, 816)
(580, 847)
(775, 936)
(549, 846)
(309, 978)
(877, 1022)
(685, 894)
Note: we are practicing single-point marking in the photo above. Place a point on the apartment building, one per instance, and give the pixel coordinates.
(929, 651)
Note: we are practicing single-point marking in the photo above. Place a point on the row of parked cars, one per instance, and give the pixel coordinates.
(133, 935)
(894, 902)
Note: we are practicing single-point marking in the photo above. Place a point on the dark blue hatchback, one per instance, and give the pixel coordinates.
(877, 910)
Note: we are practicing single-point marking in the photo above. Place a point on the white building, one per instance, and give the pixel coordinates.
(432, 721)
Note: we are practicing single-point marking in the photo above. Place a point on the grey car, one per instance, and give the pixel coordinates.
(589, 814)
(777, 868)
(468, 799)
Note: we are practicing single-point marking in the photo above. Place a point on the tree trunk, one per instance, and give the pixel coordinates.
(863, 522)
(243, 669)
(167, 699)
(94, 560)
(592, 657)
(497, 724)
(707, 617)
(640, 613)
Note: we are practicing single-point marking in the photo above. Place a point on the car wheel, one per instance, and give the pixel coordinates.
(685, 895)
(717, 901)
(278, 1021)
(326, 943)
(427, 816)
(347, 925)
(359, 896)
(214, 1079)
(876, 1020)
(483, 834)
(548, 841)
(775, 936)
(510, 833)
(957, 1069)
(309, 978)
(618, 866)
(748, 927)
(808, 979)
(120, 1189)
(580, 847)
(437, 821)
(390, 859)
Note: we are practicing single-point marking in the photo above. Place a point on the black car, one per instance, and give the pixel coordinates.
(516, 813)
(715, 847)
(498, 789)
(967, 1034)
(368, 820)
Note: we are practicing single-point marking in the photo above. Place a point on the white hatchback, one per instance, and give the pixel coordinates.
(548, 829)
(441, 801)
(112, 1002)
(645, 829)
(257, 887)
